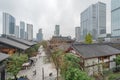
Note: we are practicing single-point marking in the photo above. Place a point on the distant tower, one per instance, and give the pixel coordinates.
(22, 30)
(29, 31)
(77, 34)
(39, 35)
(57, 30)
(26, 36)
(8, 24)
(115, 18)
(93, 21)
(17, 31)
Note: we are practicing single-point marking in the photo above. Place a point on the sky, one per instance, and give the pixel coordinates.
(46, 14)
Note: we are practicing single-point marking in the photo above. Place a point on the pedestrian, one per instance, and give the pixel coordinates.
(34, 72)
(50, 74)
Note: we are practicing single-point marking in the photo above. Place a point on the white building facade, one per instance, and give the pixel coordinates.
(17, 31)
(77, 34)
(29, 31)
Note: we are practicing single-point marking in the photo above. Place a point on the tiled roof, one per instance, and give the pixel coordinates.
(13, 43)
(3, 56)
(26, 42)
(95, 50)
(62, 38)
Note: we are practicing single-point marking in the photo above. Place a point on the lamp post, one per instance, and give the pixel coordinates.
(42, 73)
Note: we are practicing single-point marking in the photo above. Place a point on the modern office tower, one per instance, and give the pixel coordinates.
(22, 30)
(17, 31)
(115, 18)
(93, 20)
(57, 30)
(77, 34)
(8, 24)
(39, 35)
(25, 35)
(29, 31)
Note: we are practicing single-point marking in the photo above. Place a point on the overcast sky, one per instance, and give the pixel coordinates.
(46, 14)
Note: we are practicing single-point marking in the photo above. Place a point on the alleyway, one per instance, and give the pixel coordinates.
(48, 68)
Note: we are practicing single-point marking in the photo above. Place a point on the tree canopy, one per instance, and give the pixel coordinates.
(88, 39)
(69, 66)
(15, 64)
(117, 60)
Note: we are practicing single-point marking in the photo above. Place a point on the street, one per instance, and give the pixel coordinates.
(39, 65)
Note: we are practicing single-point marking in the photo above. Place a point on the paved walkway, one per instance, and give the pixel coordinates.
(48, 68)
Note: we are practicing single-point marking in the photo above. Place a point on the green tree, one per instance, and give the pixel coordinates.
(117, 60)
(56, 56)
(15, 64)
(36, 47)
(44, 44)
(71, 70)
(76, 74)
(69, 66)
(88, 39)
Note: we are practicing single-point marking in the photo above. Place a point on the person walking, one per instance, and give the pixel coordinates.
(34, 72)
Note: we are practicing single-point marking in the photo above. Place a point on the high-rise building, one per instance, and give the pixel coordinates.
(26, 36)
(115, 18)
(29, 31)
(22, 30)
(39, 35)
(8, 24)
(93, 21)
(77, 34)
(57, 30)
(17, 31)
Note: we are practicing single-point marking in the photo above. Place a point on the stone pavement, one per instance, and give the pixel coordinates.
(48, 68)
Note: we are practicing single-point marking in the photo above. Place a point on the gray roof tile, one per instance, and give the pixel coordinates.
(13, 43)
(3, 56)
(95, 50)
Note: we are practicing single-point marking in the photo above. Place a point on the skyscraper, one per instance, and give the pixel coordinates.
(8, 24)
(22, 30)
(93, 20)
(57, 30)
(29, 31)
(17, 31)
(39, 35)
(77, 34)
(115, 18)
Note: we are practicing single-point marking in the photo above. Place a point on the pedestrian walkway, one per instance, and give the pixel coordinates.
(35, 72)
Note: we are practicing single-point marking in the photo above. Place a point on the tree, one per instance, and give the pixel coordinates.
(88, 39)
(15, 64)
(36, 47)
(117, 60)
(76, 74)
(56, 56)
(44, 44)
(71, 70)
(68, 60)
(69, 66)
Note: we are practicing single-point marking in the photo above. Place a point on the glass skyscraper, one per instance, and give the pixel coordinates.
(22, 30)
(93, 21)
(39, 35)
(57, 30)
(29, 31)
(8, 24)
(115, 18)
